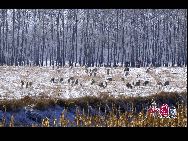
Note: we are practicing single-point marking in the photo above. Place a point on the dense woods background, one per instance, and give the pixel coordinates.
(93, 37)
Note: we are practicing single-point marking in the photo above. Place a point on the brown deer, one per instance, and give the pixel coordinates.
(146, 83)
(30, 84)
(22, 83)
(61, 80)
(27, 84)
(129, 85)
(103, 84)
(137, 83)
(52, 80)
(166, 83)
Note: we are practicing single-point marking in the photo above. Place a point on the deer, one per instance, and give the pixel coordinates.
(92, 81)
(166, 83)
(52, 80)
(27, 84)
(61, 80)
(70, 79)
(109, 78)
(76, 82)
(126, 73)
(95, 74)
(137, 83)
(103, 84)
(22, 83)
(146, 83)
(126, 69)
(129, 85)
(30, 84)
(108, 71)
(159, 83)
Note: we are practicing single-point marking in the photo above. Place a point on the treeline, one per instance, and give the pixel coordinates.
(93, 37)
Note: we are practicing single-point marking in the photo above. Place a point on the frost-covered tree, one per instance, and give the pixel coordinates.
(93, 37)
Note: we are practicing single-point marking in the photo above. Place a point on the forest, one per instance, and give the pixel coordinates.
(93, 37)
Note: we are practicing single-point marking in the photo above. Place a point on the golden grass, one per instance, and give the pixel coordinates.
(112, 119)
(44, 101)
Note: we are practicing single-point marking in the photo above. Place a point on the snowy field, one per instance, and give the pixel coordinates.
(10, 82)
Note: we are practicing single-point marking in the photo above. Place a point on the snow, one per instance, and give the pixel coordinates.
(10, 86)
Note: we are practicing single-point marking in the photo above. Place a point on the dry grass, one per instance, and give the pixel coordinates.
(117, 119)
(113, 119)
(40, 103)
(103, 98)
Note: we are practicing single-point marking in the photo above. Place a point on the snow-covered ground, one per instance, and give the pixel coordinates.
(10, 85)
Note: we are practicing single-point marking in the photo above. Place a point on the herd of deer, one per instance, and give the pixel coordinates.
(27, 84)
(138, 83)
(93, 72)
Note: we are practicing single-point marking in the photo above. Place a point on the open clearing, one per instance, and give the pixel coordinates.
(10, 82)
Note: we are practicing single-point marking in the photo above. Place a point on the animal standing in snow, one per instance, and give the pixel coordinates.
(76, 82)
(86, 70)
(109, 78)
(159, 83)
(103, 84)
(146, 83)
(30, 84)
(122, 79)
(22, 83)
(166, 83)
(93, 72)
(52, 80)
(129, 85)
(108, 71)
(126, 71)
(137, 83)
(61, 80)
(71, 79)
(148, 70)
(90, 74)
(92, 81)
(27, 84)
